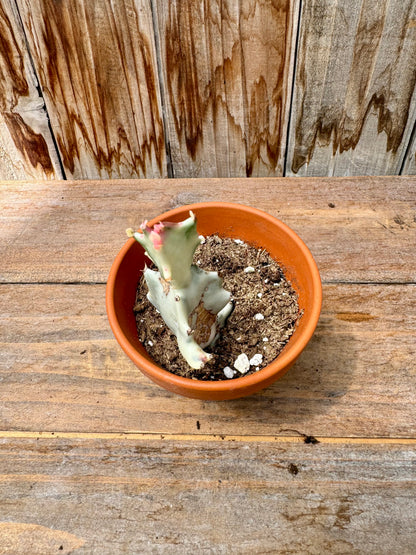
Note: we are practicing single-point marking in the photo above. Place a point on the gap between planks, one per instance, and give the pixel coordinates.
(324, 282)
(145, 436)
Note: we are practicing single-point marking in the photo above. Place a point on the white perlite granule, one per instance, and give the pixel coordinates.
(258, 316)
(229, 372)
(256, 360)
(249, 270)
(242, 364)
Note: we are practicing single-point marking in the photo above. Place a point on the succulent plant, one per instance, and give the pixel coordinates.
(191, 301)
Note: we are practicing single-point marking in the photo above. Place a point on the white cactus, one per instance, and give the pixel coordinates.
(191, 301)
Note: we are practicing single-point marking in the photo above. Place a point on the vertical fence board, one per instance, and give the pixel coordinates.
(354, 102)
(409, 166)
(226, 71)
(227, 82)
(26, 145)
(97, 66)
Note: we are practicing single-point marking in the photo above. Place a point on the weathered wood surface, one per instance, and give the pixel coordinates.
(96, 64)
(354, 95)
(71, 232)
(409, 166)
(61, 369)
(95, 458)
(26, 144)
(227, 71)
(132, 496)
(359, 230)
(145, 88)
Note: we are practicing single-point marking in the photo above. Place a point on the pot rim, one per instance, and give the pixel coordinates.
(280, 364)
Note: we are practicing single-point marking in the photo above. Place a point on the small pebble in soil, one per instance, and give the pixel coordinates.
(229, 372)
(249, 270)
(242, 363)
(256, 360)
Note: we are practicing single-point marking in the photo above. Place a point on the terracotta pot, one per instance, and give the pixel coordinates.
(229, 220)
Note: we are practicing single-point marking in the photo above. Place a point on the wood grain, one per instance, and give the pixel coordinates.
(354, 97)
(97, 67)
(205, 88)
(409, 165)
(26, 144)
(95, 496)
(96, 459)
(227, 73)
(61, 370)
(358, 229)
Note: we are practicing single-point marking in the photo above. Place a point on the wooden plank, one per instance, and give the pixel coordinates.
(227, 73)
(26, 144)
(87, 496)
(206, 438)
(62, 371)
(409, 165)
(354, 97)
(357, 229)
(97, 67)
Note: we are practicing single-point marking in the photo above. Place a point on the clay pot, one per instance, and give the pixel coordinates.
(229, 220)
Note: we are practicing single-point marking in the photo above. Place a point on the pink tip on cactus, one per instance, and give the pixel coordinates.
(157, 239)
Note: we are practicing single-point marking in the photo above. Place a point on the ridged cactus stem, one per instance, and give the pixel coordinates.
(191, 301)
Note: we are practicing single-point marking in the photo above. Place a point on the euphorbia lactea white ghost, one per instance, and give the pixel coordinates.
(191, 301)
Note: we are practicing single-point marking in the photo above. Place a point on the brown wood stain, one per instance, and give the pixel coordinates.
(32, 145)
(227, 79)
(97, 69)
(354, 316)
(366, 92)
(14, 85)
(187, 102)
(266, 87)
(204, 91)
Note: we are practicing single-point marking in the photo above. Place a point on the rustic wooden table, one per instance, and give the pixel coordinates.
(95, 458)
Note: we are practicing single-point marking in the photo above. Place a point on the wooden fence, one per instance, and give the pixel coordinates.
(205, 88)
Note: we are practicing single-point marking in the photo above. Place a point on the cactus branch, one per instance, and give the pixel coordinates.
(191, 301)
